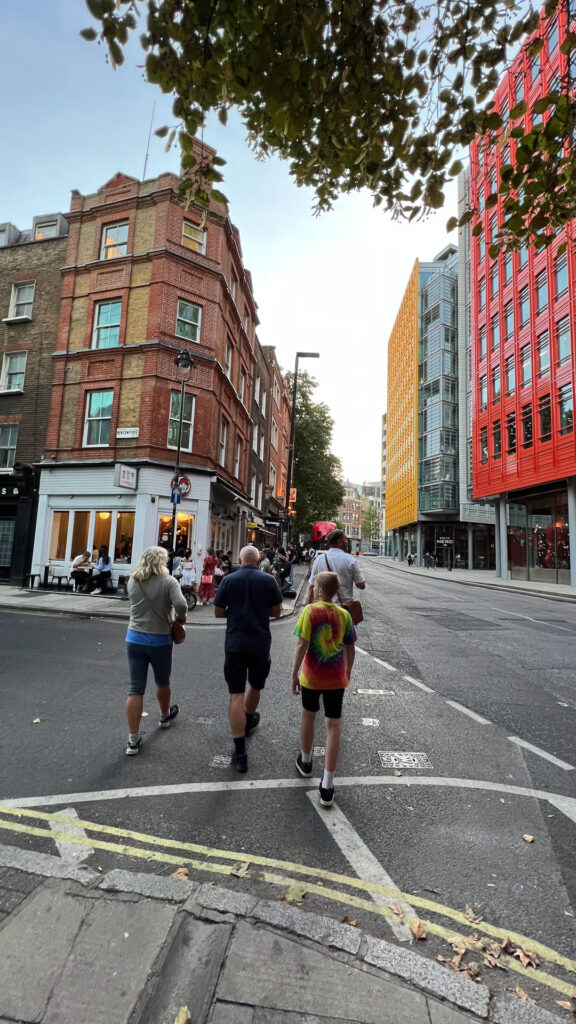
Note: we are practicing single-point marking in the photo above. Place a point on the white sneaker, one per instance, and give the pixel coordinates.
(97, 591)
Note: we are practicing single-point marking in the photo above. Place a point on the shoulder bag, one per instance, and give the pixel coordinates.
(178, 629)
(354, 606)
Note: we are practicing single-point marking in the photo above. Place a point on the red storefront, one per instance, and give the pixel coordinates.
(523, 345)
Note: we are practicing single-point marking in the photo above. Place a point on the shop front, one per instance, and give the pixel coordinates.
(539, 538)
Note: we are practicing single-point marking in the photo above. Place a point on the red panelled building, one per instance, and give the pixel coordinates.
(523, 345)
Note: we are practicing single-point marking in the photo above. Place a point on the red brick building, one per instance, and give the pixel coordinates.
(143, 279)
(523, 345)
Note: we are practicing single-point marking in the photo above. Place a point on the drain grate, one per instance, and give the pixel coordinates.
(403, 759)
(220, 761)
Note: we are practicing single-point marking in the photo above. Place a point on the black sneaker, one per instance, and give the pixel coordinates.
(304, 767)
(252, 723)
(134, 748)
(327, 796)
(240, 762)
(166, 720)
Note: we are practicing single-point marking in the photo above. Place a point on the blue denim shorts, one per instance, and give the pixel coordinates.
(140, 656)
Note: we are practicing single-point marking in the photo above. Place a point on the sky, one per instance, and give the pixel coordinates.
(330, 284)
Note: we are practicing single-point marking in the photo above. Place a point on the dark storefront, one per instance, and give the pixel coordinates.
(18, 501)
(538, 537)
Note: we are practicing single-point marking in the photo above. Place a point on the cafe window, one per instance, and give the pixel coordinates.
(184, 530)
(102, 527)
(545, 414)
(187, 421)
(510, 375)
(524, 306)
(59, 535)
(566, 409)
(511, 432)
(543, 349)
(80, 533)
(483, 394)
(496, 439)
(484, 445)
(525, 365)
(496, 385)
(563, 339)
(527, 425)
(495, 333)
(124, 536)
(541, 292)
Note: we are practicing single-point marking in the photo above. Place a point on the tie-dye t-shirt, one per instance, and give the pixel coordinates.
(328, 628)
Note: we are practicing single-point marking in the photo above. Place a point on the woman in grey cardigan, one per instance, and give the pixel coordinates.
(155, 600)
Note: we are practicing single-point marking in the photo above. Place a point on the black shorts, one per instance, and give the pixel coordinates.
(239, 667)
(332, 701)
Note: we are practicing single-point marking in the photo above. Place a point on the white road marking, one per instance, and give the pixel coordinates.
(385, 665)
(508, 611)
(371, 721)
(72, 853)
(363, 863)
(380, 693)
(542, 753)
(466, 711)
(419, 683)
(360, 650)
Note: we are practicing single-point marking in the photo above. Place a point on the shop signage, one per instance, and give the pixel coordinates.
(445, 540)
(127, 432)
(252, 526)
(126, 476)
(13, 491)
(272, 522)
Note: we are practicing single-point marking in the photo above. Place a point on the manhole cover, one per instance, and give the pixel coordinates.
(403, 759)
(220, 761)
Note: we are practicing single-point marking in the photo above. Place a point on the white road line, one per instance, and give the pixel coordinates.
(385, 665)
(542, 753)
(419, 683)
(508, 611)
(363, 863)
(466, 711)
(72, 853)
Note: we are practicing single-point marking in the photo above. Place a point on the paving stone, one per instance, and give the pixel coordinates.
(110, 962)
(231, 1013)
(10, 899)
(157, 887)
(34, 944)
(514, 1011)
(428, 975)
(20, 881)
(267, 970)
(188, 973)
(441, 1014)
(313, 926)
(227, 900)
(266, 1016)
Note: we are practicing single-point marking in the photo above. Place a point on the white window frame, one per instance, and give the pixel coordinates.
(223, 441)
(238, 457)
(262, 446)
(8, 444)
(98, 307)
(253, 489)
(273, 477)
(7, 372)
(276, 392)
(255, 438)
(89, 419)
(193, 236)
(185, 421)
(274, 435)
(263, 406)
(106, 247)
(229, 355)
(242, 393)
(257, 384)
(15, 301)
(185, 320)
(259, 502)
(233, 284)
(51, 224)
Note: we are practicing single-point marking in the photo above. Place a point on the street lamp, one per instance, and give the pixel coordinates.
(299, 355)
(183, 363)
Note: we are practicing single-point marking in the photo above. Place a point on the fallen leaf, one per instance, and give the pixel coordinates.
(491, 961)
(397, 909)
(35, 721)
(490, 947)
(527, 838)
(526, 958)
(502, 800)
(490, 885)
(240, 869)
(346, 920)
(294, 895)
(126, 935)
(144, 714)
(181, 874)
(471, 916)
(418, 930)
(522, 995)
(567, 1005)
(473, 971)
(397, 773)
(183, 1016)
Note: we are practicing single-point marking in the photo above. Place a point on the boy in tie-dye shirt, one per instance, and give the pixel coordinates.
(322, 665)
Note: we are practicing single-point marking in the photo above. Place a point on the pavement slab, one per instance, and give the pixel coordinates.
(267, 970)
(231, 1013)
(514, 1011)
(35, 943)
(110, 963)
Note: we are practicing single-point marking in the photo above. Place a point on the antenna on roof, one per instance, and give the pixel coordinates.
(148, 143)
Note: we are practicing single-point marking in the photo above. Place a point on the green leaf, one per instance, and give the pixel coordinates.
(452, 224)
(89, 34)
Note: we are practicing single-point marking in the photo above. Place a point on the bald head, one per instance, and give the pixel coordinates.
(249, 555)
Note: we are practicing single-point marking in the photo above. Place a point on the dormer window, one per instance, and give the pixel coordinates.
(45, 229)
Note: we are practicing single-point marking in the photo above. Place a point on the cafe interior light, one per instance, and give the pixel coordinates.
(104, 515)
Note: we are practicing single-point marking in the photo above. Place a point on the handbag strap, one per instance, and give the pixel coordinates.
(331, 570)
(146, 598)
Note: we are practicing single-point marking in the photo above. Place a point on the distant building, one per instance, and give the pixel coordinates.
(350, 511)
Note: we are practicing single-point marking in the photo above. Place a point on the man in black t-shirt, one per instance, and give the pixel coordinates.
(247, 599)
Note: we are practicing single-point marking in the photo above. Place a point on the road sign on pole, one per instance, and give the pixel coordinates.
(176, 497)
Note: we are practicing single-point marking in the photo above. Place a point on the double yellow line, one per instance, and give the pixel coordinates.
(154, 847)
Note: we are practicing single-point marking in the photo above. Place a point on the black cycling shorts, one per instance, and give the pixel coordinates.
(239, 667)
(332, 701)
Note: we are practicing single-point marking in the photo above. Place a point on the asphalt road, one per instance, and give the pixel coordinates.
(448, 832)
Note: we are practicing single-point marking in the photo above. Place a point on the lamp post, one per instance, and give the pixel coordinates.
(299, 355)
(183, 363)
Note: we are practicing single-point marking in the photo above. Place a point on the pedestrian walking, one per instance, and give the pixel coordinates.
(336, 559)
(322, 665)
(207, 588)
(427, 561)
(247, 599)
(155, 599)
(292, 560)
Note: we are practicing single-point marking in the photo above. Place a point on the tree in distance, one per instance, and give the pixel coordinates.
(370, 529)
(382, 95)
(317, 472)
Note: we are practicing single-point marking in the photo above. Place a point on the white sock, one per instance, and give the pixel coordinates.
(134, 737)
(306, 758)
(327, 780)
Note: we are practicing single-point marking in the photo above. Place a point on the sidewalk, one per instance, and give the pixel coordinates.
(100, 606)
(483, 578)
(133, 948)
